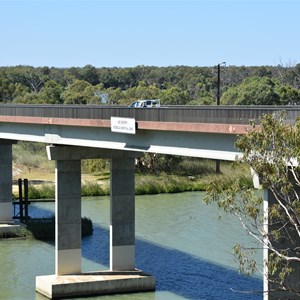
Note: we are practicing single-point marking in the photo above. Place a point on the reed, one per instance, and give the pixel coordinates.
(92, 188)
(20, 232)
(44, 191)
(199, 178)
(168, 184)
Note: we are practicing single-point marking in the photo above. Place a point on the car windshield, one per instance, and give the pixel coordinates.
(145, 103)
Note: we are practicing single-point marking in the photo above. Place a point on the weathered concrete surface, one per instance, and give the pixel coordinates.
(68, 217)
(122, 214)
(68, 280)
(92, 284)
(5, 181)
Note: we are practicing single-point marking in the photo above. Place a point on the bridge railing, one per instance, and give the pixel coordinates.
(192, 114)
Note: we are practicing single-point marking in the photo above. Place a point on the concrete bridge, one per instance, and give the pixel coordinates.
(73, 133)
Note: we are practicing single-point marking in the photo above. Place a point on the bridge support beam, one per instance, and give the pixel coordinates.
(122, 277)
(6, 183)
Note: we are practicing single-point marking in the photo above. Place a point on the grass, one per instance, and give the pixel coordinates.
(151, 184)
(44, 191)
(94, 188)
(20, 232)
(189, 174)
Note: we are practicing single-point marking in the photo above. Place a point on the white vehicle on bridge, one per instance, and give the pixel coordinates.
(145, 103)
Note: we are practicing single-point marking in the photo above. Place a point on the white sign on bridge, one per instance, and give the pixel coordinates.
(123, 125)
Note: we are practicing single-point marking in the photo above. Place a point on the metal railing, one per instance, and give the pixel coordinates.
(193, 114)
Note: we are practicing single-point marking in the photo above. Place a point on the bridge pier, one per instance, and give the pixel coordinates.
(6, 181)
(272, 290)
(68, 280)
(122, 211)
(68, 217)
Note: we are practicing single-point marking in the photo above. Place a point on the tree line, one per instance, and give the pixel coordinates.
(177, 85)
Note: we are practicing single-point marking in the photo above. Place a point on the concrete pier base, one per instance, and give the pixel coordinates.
(93, 284)
(68, 280)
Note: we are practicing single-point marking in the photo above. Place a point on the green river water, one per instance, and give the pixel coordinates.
(179, 240)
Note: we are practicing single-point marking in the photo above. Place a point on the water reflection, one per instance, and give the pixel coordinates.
(177, 272)
(178, 241)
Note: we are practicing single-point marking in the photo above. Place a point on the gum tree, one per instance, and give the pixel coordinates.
(272, 151)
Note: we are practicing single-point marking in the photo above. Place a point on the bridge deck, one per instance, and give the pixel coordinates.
(190, 114)
(210, 119)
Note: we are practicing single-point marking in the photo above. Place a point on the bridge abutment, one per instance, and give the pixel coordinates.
(6, 181)
(68, 281)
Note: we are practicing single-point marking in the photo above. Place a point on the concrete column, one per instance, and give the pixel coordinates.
(5, 182)
(122, 214)
(68, 217)
(265, 249)
(272, 290)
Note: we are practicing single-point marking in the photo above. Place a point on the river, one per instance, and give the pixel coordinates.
(179, 240)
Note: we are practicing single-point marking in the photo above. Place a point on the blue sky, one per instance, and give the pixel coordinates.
(127, 33)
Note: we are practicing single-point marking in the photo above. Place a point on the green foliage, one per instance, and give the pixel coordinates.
(247, 265)
(261, 91)
(167, 184)
(269, 149)
(27, 98)
(197, 166)
(238, 200)
(44, 191)
(272, 150)
(179, 85)
(252, 91)
(174, 96)
(94, 165)
(141, 91)
(7, 90)
(89, 73)
(78, 92)
(115, 95)
(288, 94)
(20, 232)
(94, 189)
(157, 163)
(32, 155)
(51, 93)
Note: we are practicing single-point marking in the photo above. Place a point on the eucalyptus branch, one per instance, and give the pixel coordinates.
(247, 227)
(292, 169)
(279, 254)
(287, 212)
(273, 153)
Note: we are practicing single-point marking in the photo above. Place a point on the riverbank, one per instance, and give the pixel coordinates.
(155, 174)
(99, 184)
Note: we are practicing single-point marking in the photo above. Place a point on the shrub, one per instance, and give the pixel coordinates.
(45, 191)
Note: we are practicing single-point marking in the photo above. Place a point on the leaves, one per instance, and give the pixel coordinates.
(174, 85)
(272, 151)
